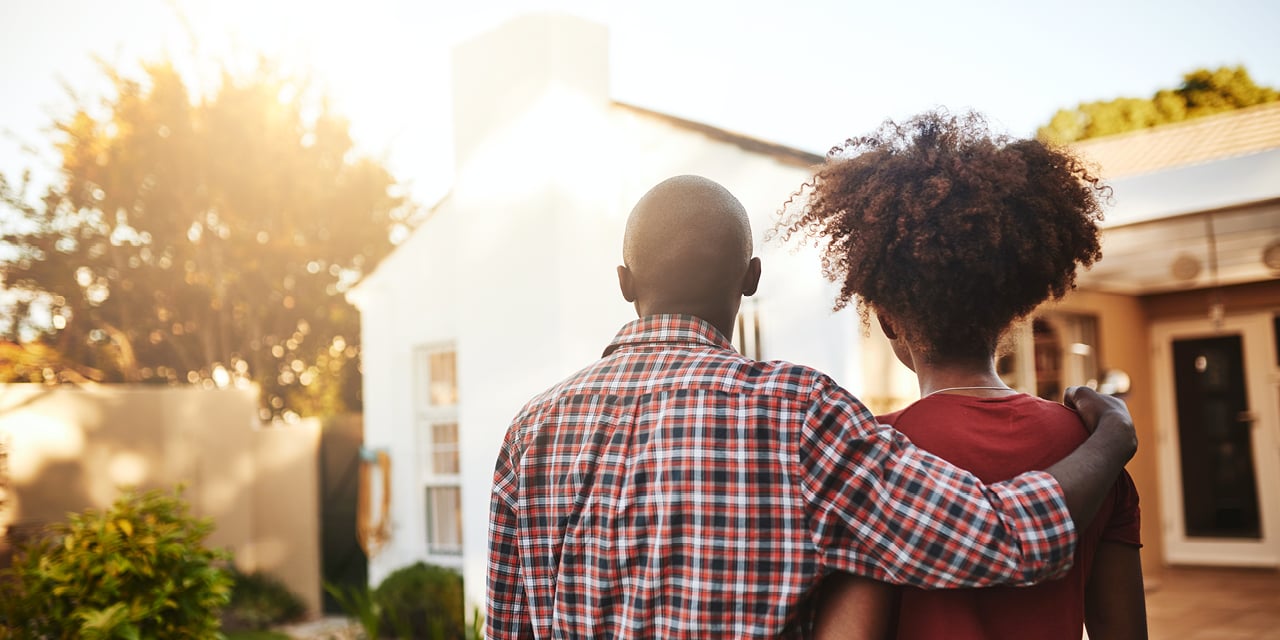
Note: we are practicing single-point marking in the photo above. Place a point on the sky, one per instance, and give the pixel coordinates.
(805, 73)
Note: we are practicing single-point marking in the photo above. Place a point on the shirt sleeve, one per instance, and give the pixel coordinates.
(1125, 524)
(507, 609)
(882, 508)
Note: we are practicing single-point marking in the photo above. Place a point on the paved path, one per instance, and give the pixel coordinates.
(1215, 604)
(327, 628)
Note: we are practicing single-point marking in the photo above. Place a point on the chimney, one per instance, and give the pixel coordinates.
(500, 73)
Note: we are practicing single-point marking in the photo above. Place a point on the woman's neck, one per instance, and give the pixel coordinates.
(972, 378)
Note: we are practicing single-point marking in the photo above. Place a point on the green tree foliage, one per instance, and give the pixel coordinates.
(137, 570)
(202, 241)
(33, 362)
(1202, 93)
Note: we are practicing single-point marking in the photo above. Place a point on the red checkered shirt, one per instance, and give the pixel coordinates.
(675, 489)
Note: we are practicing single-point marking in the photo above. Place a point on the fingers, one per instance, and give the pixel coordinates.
(1069, 398)
(1088, 403)
(1093, 406)
(1085, 401)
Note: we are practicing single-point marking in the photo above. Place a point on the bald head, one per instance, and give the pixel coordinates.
(687, 249)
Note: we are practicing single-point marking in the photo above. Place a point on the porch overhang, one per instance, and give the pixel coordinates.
(1210, 224)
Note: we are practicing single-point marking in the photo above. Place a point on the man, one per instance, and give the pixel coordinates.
(676, 489)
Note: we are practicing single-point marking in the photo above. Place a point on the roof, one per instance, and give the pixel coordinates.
(1227, 135)
(786, 155)
(782, 153)
(1189, 196)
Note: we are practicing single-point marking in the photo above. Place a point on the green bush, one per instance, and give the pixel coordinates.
(137, 570)
(359, 604)
(423, 601)
(259, 601)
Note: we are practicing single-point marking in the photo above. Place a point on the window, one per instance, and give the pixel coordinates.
(1056, 351)
(444, 448)
(436, 420)
(444, 520)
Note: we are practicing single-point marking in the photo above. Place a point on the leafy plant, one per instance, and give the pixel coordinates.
(256, 635)
(476, 630)
(360, 604)
(417, 601)
(425, 601)
(136, 570)
(259, 601)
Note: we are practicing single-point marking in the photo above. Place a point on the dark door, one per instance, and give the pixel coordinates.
(1219, 486)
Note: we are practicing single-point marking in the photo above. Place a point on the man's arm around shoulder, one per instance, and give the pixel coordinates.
(1089, 472)
(882, 508)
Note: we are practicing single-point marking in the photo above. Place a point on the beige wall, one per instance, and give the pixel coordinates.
(285, 537)
(73, 448)
(1123, 344)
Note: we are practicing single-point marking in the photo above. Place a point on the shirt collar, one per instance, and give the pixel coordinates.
(668, 329)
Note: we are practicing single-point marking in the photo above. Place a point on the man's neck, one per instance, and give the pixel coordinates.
(722, 319)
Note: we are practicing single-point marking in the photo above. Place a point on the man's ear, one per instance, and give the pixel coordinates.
(751, 279)
(626, 283)
(886, 325)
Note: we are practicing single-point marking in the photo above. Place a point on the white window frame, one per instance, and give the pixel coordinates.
(427, 416)
(746, 330)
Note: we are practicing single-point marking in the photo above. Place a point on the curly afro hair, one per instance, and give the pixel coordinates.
(952, 231)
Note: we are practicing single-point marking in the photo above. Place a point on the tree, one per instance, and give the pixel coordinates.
(1202, 93)
(202, 241)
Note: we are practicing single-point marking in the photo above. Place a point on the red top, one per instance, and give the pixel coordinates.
(675, 489)
(999, 438)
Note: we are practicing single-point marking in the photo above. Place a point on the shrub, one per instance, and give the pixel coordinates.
(423, 601)
(359, 604)
(137, 570)
(259, 601)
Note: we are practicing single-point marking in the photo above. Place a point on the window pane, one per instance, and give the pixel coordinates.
(444, 448)
(444, 433)
(445, 461)
(444, 520)
(1219, 482)
(442, 372)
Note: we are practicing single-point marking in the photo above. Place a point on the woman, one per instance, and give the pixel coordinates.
(950, 235)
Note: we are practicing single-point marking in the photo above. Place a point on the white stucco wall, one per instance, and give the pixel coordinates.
(519, 274)
(517, 269)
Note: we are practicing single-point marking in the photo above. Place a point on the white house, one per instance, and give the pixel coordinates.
(510, 284)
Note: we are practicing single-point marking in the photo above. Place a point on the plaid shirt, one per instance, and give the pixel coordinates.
(676, 489)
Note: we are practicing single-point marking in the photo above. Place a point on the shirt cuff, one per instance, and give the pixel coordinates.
(1048, 535)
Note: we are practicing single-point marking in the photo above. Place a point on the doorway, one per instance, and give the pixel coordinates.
(1217, 410)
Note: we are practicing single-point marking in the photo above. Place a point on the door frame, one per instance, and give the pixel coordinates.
(1262, 387)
